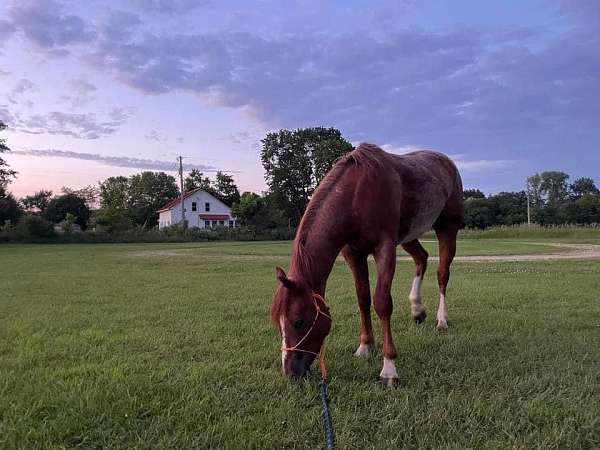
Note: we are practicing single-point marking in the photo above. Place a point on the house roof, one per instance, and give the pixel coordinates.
(177, 200)
(214, 216)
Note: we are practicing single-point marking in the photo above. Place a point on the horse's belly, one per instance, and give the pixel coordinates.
(421, 223)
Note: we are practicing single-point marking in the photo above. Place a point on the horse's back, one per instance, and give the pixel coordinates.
(423, 189)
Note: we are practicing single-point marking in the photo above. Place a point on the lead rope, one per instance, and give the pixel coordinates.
(327, 423)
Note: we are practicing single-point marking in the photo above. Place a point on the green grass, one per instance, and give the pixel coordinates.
(154, 346)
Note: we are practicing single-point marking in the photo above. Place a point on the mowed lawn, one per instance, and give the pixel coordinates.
(170, 346)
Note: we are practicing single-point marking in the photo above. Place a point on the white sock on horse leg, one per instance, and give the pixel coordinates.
(389, 369)
(442, 313)
(416, 305)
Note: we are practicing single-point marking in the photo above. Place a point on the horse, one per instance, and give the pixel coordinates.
(369, 202)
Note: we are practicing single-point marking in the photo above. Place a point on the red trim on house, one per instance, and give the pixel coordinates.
(214, 216)
(176, 200)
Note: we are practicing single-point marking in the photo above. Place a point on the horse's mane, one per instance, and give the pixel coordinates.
(367, 156)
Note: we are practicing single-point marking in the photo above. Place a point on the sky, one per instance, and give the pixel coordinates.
(101, 88)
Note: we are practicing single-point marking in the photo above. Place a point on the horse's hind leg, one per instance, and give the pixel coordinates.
(360, 269)
(447, 245)
(419, 254)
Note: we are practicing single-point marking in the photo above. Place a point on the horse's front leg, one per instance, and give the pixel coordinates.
(360, 270)
(385, 257)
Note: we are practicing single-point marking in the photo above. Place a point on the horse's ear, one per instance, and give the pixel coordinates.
(283, 279)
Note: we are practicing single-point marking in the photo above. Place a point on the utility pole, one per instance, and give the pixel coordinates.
(528, 207)
(183, 224)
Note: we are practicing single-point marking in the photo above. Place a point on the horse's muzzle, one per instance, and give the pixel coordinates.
(297, 365)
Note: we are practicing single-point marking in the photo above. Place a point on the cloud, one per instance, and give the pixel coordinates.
(81, 92)
(154, 135)
(115, 161)
(464, 164)
(46, 25)
(80, 126)
(480, 165)
(6, 30)
(169, 7)
(23, 86)
(482, 90)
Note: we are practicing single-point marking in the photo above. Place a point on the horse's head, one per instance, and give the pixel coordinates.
(303, 320)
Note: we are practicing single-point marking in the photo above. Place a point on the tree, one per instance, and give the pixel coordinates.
(10, 211)
(114, 213)
(89, 193)
(472, 193)
(508, 208)
(584, 210)
(38, 201)
(60, 206)
(583, 186)
(149, 191)
(197, 180)
(225, 189)
(554, 186)
(478, 213)
(295, 162)
(5, 173)
(258, 212)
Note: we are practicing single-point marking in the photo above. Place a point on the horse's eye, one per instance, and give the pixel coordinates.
(298, 324)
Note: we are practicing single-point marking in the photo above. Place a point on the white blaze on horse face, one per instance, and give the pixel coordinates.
(442, 313)
(416, 306)
(389, 369)
(283, 341)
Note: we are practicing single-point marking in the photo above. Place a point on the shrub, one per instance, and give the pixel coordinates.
(32, 227)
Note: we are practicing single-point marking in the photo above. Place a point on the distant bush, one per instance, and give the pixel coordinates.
(534, 231)
(31, 227)
(139, 235)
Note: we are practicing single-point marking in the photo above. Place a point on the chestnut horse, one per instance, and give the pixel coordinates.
(368, 203)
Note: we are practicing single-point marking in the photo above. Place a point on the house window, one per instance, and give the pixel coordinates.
(231, 224)
(194, 206)
(207, 224)
(214, 223)
(207, 206)
(221, 223)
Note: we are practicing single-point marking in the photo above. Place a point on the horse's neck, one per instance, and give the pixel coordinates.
(320, 246)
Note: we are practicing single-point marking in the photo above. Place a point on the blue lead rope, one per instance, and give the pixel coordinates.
(326, 415)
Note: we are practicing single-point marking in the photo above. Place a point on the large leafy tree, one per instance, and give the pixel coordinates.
(257, 212)
(296, 161)
(555, 187)
(5, 173)
(60, 207)
(90, 193)
(225, 189)
(583, 186)
(197, 180)
(148, 191)
(125, 202)
(114, 214)
(472, 193)
(38, 201)
(10, 210)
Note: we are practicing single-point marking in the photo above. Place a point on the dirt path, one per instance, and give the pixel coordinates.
(569, 251)
(576, 251)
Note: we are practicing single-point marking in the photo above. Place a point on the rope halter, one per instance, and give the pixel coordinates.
(296, 348)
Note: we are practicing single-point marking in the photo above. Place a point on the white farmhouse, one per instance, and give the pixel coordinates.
(202, 210)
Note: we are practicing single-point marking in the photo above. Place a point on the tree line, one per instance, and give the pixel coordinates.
(552, 201)
(294, 161)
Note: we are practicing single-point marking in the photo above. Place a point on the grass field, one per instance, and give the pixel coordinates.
(170, 346)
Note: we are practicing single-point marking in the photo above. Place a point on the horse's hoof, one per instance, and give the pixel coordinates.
(389, 382)
(420, 318)
(442, 325)
(363, 351)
